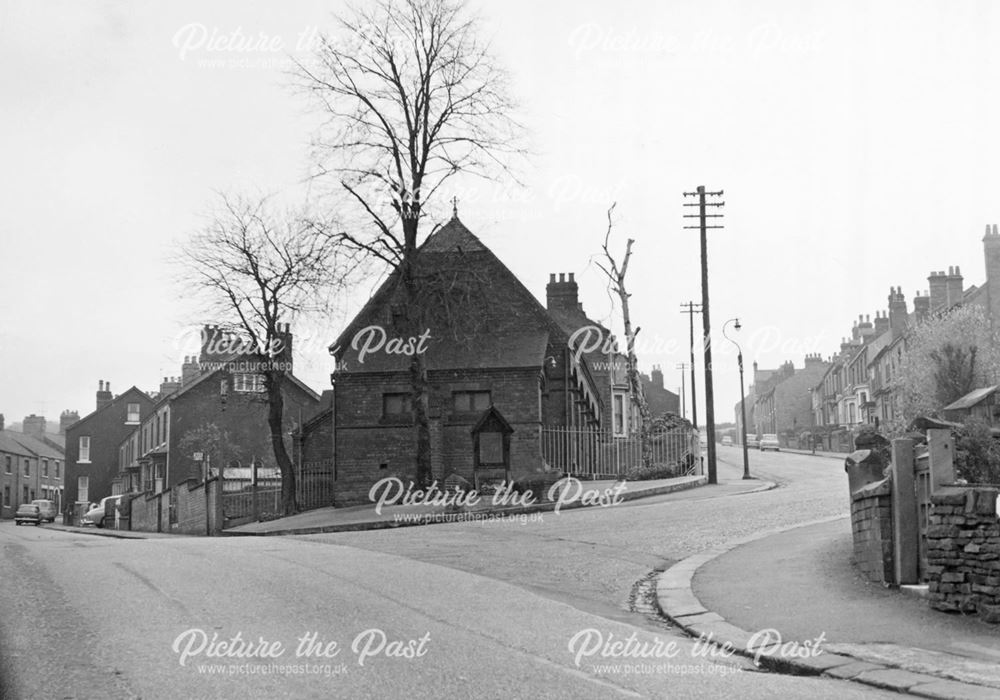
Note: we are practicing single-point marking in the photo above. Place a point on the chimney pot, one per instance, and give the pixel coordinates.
(562, 276)
(995, 230)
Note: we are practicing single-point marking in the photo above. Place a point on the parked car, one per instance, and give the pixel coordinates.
(47, 508)
(752, 441)
(728, 441)
(769, 442)
(95, 516)
(28, 513)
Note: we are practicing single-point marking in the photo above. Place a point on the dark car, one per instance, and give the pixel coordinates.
(28, 513)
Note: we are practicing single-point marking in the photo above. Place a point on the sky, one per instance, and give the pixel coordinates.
(855, 142)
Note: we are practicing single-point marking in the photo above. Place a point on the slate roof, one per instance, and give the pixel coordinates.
(518, 328)
(37, 447)
(12, 446)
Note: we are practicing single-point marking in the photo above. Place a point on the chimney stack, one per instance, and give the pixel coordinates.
(66, 419)
(33, 425)
(953, 286)
(921, 307)
(937, 282)
(656, 377)
(881, 323)
(561, 295)
(866, 331)
(991, 254)
(2, 422)
(189, 370)
(104, 396)
(898, 315)
(169, 385)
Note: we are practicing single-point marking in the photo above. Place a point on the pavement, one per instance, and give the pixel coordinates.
(802, 609)
(579, 494)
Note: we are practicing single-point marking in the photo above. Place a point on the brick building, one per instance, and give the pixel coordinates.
(92, 445)
(499, 369)
(218, 408)
(15, 489)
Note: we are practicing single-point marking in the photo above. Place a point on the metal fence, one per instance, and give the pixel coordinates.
(245, 498)
(596, 454)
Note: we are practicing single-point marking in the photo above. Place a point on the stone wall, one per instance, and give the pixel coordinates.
(871, 524)
(963, 541)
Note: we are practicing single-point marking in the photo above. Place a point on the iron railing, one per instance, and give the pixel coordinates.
(596, 454)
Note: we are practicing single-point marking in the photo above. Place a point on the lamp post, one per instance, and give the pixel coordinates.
(743, 413)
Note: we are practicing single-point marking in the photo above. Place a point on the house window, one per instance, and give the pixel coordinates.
(619, 413)
(248, 383)
(471, 401)
(56, 465)
(27, 467)
(6, 464)
(6, 496)
(133, 413)
(84, 449)
(45, 467)
(83, 488)
(397, 404)
(24, 495)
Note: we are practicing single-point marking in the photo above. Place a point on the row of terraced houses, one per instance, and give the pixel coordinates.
(824, 404)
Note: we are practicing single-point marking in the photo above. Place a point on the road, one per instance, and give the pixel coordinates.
(458, 610)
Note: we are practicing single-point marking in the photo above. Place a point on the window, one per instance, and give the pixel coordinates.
(248, 383)
(6, 496)
(27, 467)
(396, 404)
(83, 488)
(133, 413)
(84, 449)
(471, 401)
(6, 464)
(45, 467)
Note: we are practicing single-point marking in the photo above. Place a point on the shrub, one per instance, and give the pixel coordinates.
(977, 454)
(654, 471)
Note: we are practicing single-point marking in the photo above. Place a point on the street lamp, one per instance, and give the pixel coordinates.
(743, 412)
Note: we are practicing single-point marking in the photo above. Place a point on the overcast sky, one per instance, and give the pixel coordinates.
(857, 144)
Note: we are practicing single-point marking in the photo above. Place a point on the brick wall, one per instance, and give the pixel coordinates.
(365, 441)
(151, 513)
(145, 509)
(963, 541)
(871, 524)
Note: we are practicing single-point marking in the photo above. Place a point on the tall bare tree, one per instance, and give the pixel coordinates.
(259, 268)
(411, 97)
(616, 274)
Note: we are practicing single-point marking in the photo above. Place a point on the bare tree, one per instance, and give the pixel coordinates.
(411, 98)
(260, 269)
(616, 275)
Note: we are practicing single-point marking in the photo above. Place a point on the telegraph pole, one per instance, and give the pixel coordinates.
(683, 366)
(690, 310)
(703, 216)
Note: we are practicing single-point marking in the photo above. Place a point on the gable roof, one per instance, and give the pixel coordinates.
(130, 391)
(512, 342)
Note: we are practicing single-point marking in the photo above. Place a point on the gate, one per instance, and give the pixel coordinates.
(922, 491)
(252, 494)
